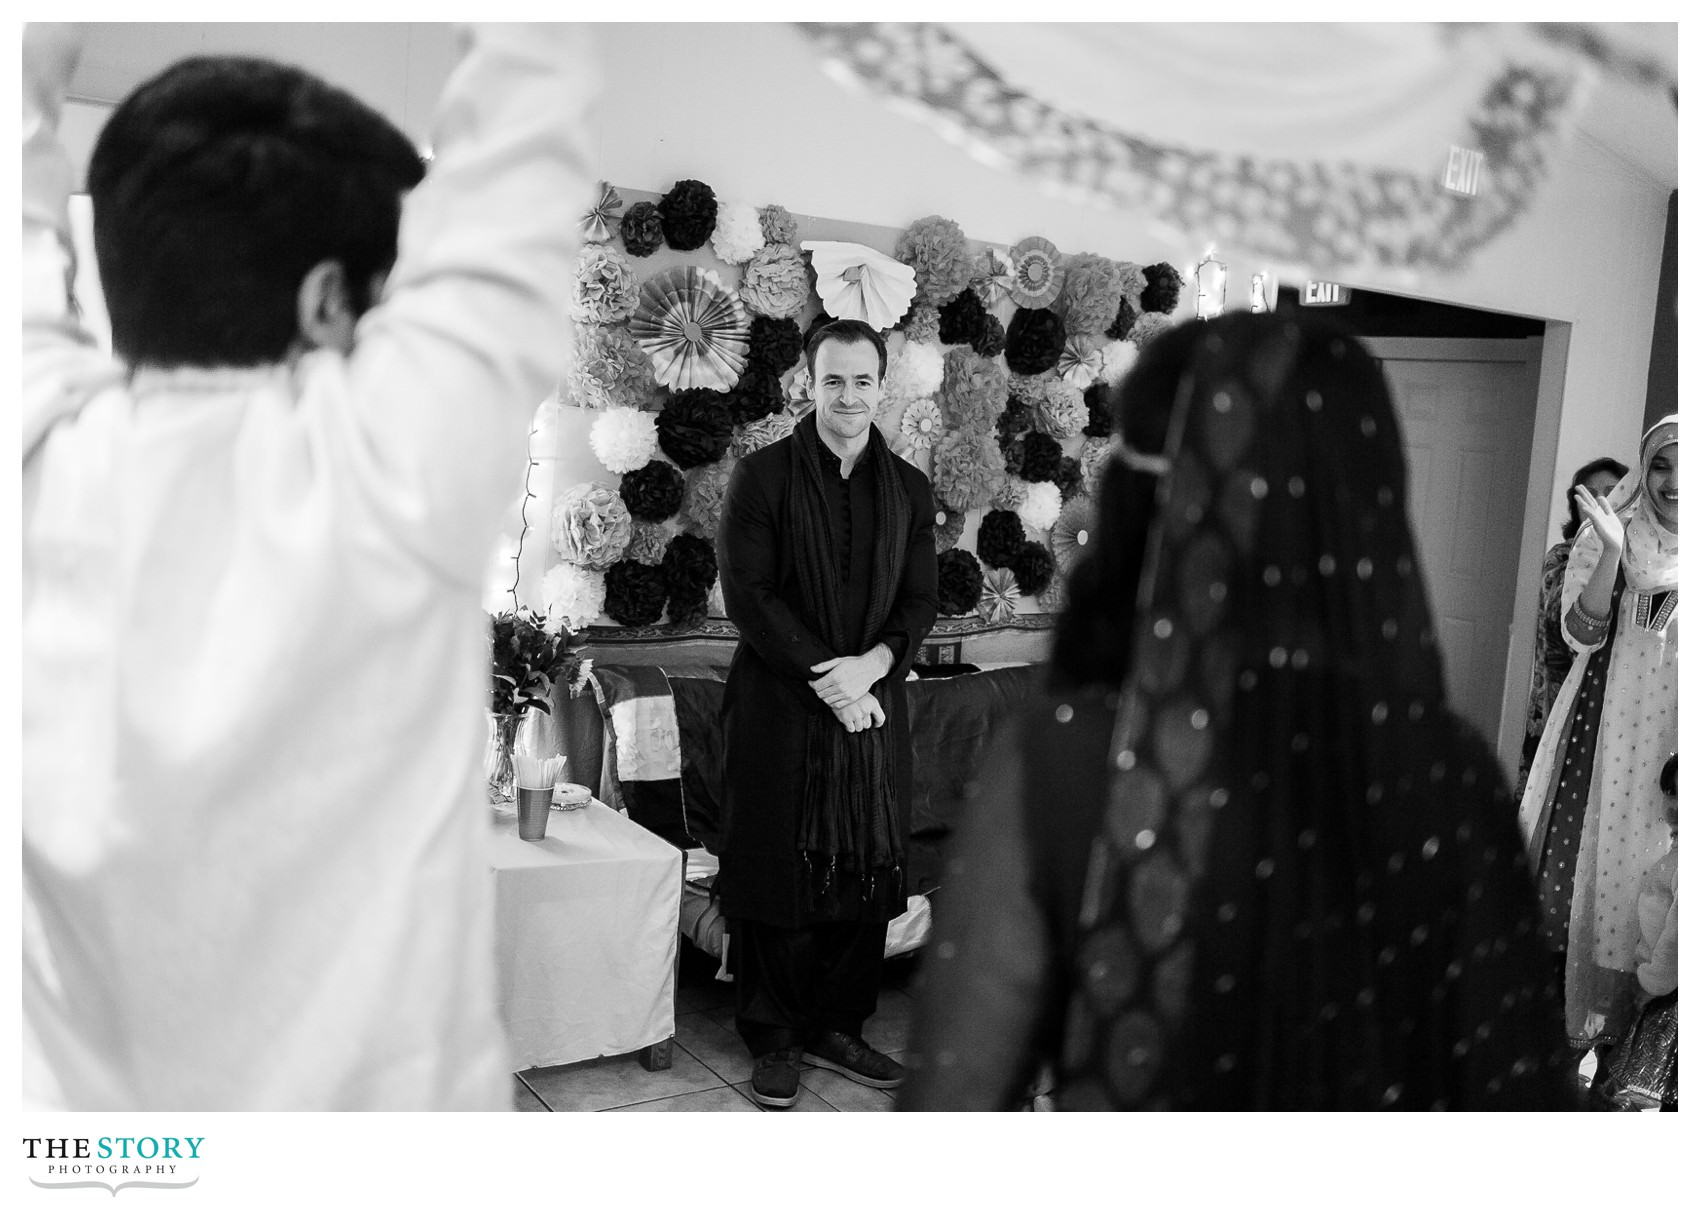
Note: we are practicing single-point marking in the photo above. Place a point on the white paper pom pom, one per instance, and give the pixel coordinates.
(1039, 509)
(737, 232)
(574, 596)
(1119, 357)
(917, 370)
(623, 439)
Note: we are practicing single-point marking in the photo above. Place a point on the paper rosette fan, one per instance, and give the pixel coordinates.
(694, 330)
(601, 221)
(999, 596)
(1037, 278)
(856, 283)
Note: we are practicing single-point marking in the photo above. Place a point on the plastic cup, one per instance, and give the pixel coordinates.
(533, 805)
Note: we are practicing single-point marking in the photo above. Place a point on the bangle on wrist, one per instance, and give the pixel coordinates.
(1589, 620)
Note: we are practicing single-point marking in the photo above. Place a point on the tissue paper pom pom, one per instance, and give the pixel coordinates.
(1000, 538)
(1028, 389)
(938, 251)
(1150, 325)
(1062, 412)
(973, 392)
(999, 596)
(1040, 457)
(623, 439)
(1094, 457)
(959, 320)
(737, 233)
(695, 427)
(590, 525)
(688, 567)
(967, 469)
(1133, 282)
(688, 214)
(636, 594)
(640, 229)
(688, 610)
(573, 596)
(1162, 288)
(653, 492)
(705, 495)
(1122, 325)
(754, 435)
(777, 225)
(609, 369)
(1119, 357)
(1100, 421)
(649, 542)
(1033, 568)
(989, 341)
(914, 371)
(922, 424)
(1070, 532)
(1092, 289)
(960, 582)
(920, 324)
(1015, 420)
(947, 526)
(605, 292)
(1034, 342)
(1010, 494)
(775, 344)
(1069, 477)
(756, 395)
(1039, 508)
(776, 282)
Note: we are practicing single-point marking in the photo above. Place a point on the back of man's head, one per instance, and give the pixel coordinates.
(217, 186)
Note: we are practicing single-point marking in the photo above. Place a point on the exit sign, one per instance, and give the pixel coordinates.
(1326, 294)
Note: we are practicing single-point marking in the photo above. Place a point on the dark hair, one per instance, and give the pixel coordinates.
(845, 332)
(217, 185)
(1667, 777)
(1094, 635)
(1606, 464)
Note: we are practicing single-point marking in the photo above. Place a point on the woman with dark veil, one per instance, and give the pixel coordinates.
(1241, 855)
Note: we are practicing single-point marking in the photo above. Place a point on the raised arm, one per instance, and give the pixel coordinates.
(470, 336)
(1590, 576)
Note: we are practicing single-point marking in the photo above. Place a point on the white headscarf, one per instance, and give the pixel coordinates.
(1649, 551)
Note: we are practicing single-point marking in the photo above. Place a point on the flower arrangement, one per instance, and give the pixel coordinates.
(604, 292)
(737, 233)
(590, 526)
(640, 229)
(527, 657)
(1091, 292)
(1162, 288)
(960, 582)
(688, 214)
(776, 282)
(938, 251)
(777, 225)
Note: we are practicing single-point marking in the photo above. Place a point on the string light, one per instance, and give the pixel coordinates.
(1264, 291)
(524, 524)
(1212, 299)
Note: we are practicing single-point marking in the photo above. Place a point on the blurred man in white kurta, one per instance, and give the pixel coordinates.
(254, 658)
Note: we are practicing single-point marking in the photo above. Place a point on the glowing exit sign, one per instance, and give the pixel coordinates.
(1326, 294)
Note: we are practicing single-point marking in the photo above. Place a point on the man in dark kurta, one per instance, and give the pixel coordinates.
(828, 569)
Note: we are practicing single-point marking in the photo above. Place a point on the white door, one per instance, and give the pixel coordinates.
(1467, 408)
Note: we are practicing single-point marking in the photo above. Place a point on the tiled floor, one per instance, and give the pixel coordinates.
(711, 1067)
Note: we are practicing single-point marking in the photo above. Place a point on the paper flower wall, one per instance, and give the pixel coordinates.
(1149, 326)
(777, 225)
(1040, 507)
(649, 542)
(914, 371)
(737, 233)
(993, 276)
(1037, 276)
(960, 582)
(1034, 568)
(705, 496)
(1091, 292)
(938, 251)
(1081, 362)
(776, 282)
(1061, 413)
(640, 229)
(998, 596)
(601, 221)
(608, 370)
(590, 526)
(967, 469)
(921, 325)
(605, 292)
(922, 424)
(623, 439)
(856, 283)
(688, 214)
(573, 596)
(695, 332)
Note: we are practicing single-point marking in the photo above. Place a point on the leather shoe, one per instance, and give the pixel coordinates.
(774, 1082)
(854, 1058)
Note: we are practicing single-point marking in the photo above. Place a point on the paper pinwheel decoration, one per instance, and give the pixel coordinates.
(694, 330)
(1070, 533)
(922, 424)
(994, 276)
(600, 222)
(856, 283)
(1081, 363)
(1038, 276)
(998, 596)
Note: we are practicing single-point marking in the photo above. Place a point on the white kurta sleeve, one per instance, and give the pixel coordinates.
(1584, 558)
(471, 333)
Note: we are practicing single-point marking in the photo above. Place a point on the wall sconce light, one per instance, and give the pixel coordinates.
(1264, 292)
(1212, 275)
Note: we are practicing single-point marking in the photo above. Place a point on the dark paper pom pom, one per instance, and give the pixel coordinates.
(1069, 477)
(1035, 341)
(1000, 538)
(960, 581)
(654, 492)
(1100, 420)
(959, 320)
(1162, 288)
(1034, 566)
(695, 426)
(689, 611)
(1015, 420)
(774, 344)
(1041, 457)
(989, 342)
(637, 593)
(758, 394)
(640, 229)
(688, 212)
(688, 566)
(1122, 325)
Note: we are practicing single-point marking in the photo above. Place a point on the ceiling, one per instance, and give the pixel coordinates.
(398, 68)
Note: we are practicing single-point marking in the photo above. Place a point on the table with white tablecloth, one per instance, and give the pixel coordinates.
(587, 933)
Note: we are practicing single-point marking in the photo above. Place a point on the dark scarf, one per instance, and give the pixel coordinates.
(847, 828)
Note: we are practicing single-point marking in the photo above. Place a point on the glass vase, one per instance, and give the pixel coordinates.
(499, 756)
